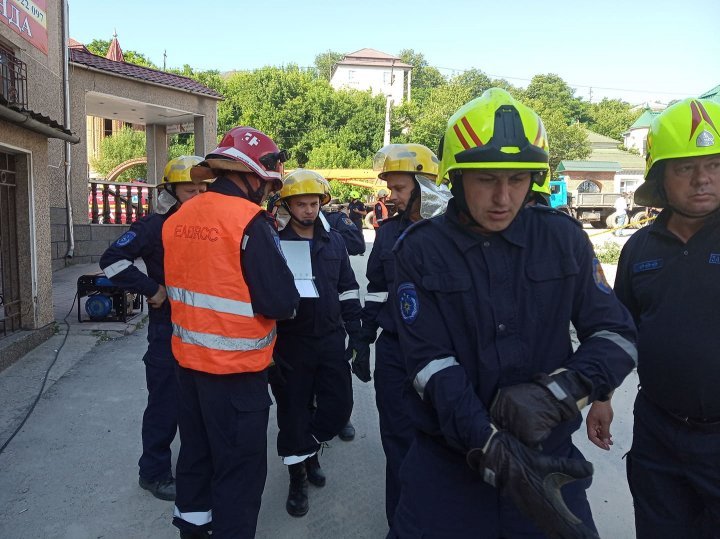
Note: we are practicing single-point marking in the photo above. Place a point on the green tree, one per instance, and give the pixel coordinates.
(475, 80)
(342, 190)
(549, 92)
(424, 77)
(325, 61)
(612, 117)
(101, 46)
(565, 141)
(122, 146)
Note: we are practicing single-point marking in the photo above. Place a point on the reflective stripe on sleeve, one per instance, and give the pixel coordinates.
(218, 342)
(350, 294)
(206, 301)
(436, 365)
(378, 297)
(199, 518)
(116, 267)
(628, 347)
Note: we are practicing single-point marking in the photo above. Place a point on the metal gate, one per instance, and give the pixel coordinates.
(9, 269)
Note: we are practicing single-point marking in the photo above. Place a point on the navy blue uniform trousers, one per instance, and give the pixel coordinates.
(222, 464)
(315, 368)
(674, 476)
(396, 429)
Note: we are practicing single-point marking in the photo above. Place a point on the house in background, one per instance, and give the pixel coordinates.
(608, 168)
(635, 138)
(713, 94)
(379, 72)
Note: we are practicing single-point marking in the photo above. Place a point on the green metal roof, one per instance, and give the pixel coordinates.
(589, 166)
(713, 94)
(596, 139)
(645, 119)
(628, 161)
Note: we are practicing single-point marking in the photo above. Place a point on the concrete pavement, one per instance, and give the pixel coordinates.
(71, 472)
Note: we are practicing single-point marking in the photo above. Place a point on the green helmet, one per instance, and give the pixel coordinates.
(686, 129)
(495, 131)
(354, 195)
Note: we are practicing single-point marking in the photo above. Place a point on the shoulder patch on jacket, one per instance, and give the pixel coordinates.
(126, 238)
(599, 277)
(408, 302)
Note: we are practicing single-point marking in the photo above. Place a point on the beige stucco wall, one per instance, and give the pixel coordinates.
(39, 166)
(31, 151)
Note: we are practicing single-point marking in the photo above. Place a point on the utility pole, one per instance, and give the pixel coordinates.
(590, 94)
(164, 58)
(388, 106)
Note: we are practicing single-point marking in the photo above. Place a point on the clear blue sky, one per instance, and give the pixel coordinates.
(660, 49)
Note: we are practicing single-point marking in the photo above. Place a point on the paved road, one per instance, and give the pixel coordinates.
(72, 470)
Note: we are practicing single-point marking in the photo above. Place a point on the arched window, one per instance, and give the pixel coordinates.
(588, 186)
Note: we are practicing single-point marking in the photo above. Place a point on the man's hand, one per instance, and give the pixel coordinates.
(598, 422)
(530, 411)
(158, 299)
(358, 353)
(533, 482)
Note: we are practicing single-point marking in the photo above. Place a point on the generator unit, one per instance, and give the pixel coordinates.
(105, 301)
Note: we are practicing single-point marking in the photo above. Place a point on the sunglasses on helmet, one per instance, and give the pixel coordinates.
(270, 160)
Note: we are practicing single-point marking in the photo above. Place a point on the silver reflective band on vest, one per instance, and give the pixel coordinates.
(116, 267)
(436, 365)
(378, 297)
(206, 301)
(629, 348)
(196, 517)
(218, 342)
(350, 294)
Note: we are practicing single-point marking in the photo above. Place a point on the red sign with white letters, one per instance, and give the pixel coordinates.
(27, 18)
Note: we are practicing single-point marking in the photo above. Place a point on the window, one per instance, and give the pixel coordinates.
(588, 186)
(352, 74)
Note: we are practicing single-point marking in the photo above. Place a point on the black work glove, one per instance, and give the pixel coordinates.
(530, 411)
(358, 353)
(533, 481)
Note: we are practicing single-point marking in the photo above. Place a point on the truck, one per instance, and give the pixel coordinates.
(597, 209)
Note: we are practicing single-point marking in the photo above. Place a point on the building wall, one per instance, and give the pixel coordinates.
(636, 139)
(92, 240)
(40, 167)
(374, 78)
(605, 180)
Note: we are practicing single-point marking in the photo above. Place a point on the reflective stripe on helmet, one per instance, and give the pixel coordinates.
(207, 301)
(436, 365)
(218, 342)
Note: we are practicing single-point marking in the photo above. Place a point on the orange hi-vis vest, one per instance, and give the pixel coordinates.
(383, 213)
(214, 327)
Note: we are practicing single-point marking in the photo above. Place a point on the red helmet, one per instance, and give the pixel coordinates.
(248, 150)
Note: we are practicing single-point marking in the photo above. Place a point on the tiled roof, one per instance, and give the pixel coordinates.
(80, 57)
(372, 57)
(34, 115)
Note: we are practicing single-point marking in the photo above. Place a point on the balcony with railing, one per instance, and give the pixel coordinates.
(13, 79)
(118, 203)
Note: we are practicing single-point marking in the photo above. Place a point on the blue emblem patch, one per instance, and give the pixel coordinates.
(648, 265)
(599, 277)
(125, 239)
(409, 303)
(714, 258)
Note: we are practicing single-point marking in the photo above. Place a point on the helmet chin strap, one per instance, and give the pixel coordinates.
(305, 222)
(415, 195)
(255, 195)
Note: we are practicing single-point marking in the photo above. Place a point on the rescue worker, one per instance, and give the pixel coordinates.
(144, 240)
(310, 348)
(668, 279)
(410, 171)
(228, 283)
(352, 236)
(356, 210)
(485, 295)
(380, 210)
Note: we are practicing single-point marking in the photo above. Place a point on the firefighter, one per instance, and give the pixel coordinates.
(352, 236)
(309, 353)
(356, 209)
(228, 283)
(144, 240)
(485, 295)
(380, 210)
(410, 171)
(668, 278)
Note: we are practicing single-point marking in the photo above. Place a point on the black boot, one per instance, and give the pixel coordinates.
(315, 473)
(347, 434)
(297, 500)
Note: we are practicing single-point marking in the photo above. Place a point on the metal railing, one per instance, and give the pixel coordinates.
(118, 203)
(13, 79)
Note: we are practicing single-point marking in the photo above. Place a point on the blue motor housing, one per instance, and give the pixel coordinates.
(98, 306)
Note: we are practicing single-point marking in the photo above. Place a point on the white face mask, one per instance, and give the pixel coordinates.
(165, 201)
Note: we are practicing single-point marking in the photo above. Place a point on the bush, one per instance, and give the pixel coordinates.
(608, 252)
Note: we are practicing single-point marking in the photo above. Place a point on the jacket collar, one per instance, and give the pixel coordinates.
(465, 238)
